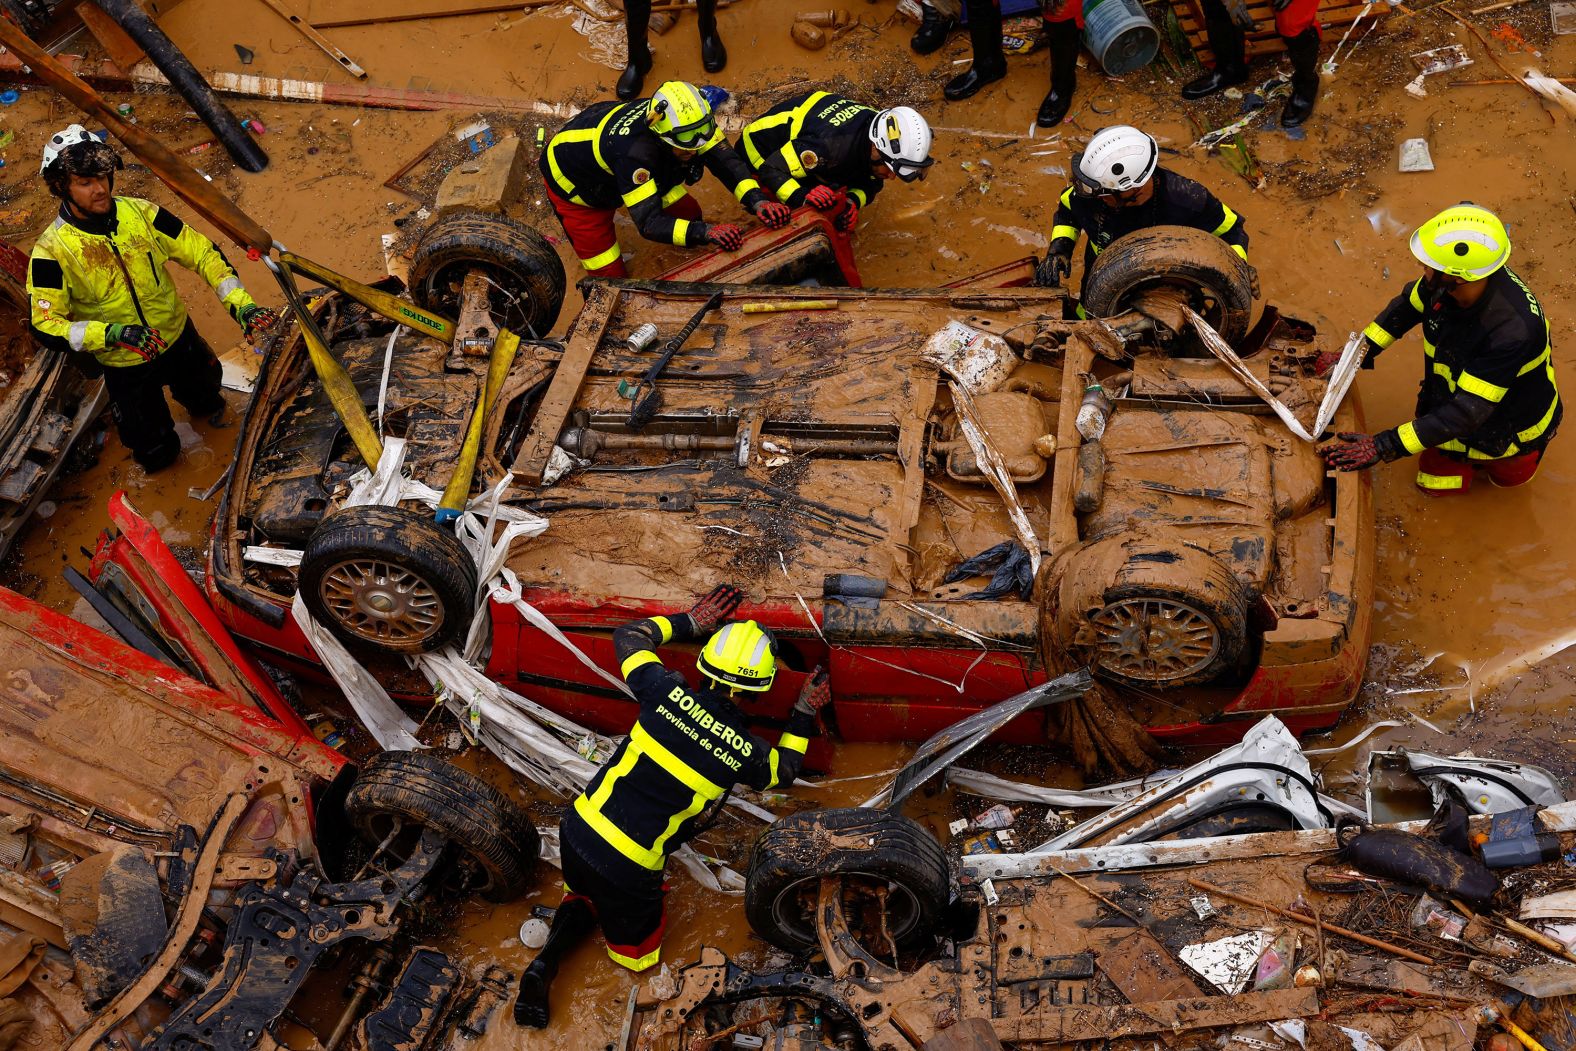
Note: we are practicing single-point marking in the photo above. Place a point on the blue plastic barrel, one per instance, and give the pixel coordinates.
(1120, 35)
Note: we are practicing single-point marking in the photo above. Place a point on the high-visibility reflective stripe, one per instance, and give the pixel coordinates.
(764, 124)
(1537, 429)
(677, 768)
(664, 628)
(678, 193)
(1440, 481)
(743, 189)
(1482, 388)
(227, 286)
(636, 660)
(1226, 223)
(1377, 336)
(640, 193)
(1535, 362)
(790, 157)
(859, 197)
(1409, 439)
(681, 232)
(602, 259)
(635, 963)
(786, 191)
(77, 335)
(697, 804)
(1444, 371)
(1083, 315)
(1067, 197)
(590, 809)
(793, 742)
(772, 763)
(591, 135)
(1059, 232)
(1094, 248)
(1243, 252)
(1415, 297)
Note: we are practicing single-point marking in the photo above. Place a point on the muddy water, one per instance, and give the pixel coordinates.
(1471, 590)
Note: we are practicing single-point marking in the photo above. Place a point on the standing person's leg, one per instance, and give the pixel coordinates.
(195, 376)
(990, 62)
(1064, 32)
(937, 19)
(713, 56)
(1230, 45)
(142, 418)
(1298, 25)
(637, 15)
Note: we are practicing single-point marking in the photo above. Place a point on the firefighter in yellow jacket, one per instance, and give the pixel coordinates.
(98, 291)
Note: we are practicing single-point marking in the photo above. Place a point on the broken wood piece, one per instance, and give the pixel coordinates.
(1501, 81)
(1141, 967)
(421, 16)
(1540, 980)
(971, 1034)
(326, 45)
(1053, 1025)
(122, 50)
(1243, 899)
(1497, 7)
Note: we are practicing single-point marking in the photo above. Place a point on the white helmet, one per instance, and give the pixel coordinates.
(61, 140)
(1118, 158)
(901, 136)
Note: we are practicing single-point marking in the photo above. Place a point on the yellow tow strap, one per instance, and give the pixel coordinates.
(390, 306)
(459, 486)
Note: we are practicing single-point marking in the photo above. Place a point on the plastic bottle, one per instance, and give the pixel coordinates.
(1093, 412)
(999, 816)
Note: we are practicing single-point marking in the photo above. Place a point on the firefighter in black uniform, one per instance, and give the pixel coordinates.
(1119, 188)
(1489, 398)
(642, 155)
(833, 153)
(666, 781)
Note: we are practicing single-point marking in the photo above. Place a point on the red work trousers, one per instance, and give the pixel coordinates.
(1441, 475)
(591, 232)
(1064, 11)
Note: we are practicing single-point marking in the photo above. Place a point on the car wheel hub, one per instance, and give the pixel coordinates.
(1154, 639)
(380, 601)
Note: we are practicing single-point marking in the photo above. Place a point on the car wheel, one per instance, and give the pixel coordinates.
(526, 275)
(1153, 616)
(398, 794)
(879, 855)
(388, 579)
(1216, 279)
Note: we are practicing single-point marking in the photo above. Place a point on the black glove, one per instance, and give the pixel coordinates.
(725, 236)
(1352, 451)
(715, 608)
(816, 692)
(256, 320)
(1052, 271)
(773, 214)
(822, 198)
(145, 342)
(694, 171)
(848, 216)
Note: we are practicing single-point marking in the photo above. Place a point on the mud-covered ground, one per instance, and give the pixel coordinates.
(1475, 595)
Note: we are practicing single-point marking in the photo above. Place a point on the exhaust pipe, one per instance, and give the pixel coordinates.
(183, 76)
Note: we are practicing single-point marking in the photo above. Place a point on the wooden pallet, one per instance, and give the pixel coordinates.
(1333, 14)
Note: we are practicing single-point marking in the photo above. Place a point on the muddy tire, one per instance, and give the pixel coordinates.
(1217, 280)
(388, 580)
(400, 791)
(790, 857)
(526, 274)
(1169, 616)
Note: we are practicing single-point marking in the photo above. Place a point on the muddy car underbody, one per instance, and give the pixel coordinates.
(1210, 573)
(183, 859)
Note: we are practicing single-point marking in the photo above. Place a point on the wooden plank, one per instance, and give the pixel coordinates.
(122, 50)
(1142, 969)
(559, 400)
(1081, 1022)
(326, 45)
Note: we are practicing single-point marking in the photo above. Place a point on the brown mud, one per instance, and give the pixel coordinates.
(1475, 599)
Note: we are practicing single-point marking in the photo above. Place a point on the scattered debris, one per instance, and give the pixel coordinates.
(1415, 156)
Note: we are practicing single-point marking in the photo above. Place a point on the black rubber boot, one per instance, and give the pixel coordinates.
(1227, 41)
(990, 62)
(571, 923)
(713, 55)
(934, 28)
(637, 15)
(1304, 51)
(1065, 40)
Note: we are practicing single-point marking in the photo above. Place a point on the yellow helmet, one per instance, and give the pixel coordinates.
(1465, 241)
(740, 656)
(681, 116)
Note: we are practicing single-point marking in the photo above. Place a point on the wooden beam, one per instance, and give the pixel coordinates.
(327, 46)
(122, 50)
(559, 401)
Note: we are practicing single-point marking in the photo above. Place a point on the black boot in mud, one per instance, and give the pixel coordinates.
(934, 28)
(990, 63)
(571, 923)
(1218, 79)
(1065, 39)
(1230, 45)
(713, 55)
(637, 16)
(1304, 51)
